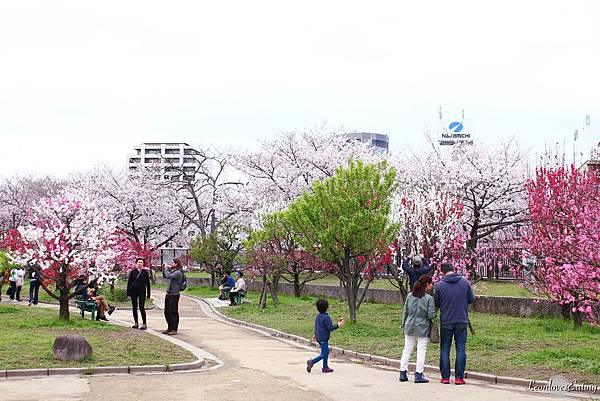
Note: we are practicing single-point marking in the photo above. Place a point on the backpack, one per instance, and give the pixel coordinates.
(183, 284)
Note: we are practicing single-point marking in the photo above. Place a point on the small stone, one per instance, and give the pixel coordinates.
(71, 348)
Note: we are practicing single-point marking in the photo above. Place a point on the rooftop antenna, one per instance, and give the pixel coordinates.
(440, 111)
(575, 136)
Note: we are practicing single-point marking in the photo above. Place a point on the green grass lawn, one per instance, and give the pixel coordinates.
(535, 348)
(27, 335)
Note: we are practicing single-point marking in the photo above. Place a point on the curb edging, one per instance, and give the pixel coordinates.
(101, 370)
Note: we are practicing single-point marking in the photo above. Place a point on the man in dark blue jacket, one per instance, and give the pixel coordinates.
(420, 266)
(452, 295)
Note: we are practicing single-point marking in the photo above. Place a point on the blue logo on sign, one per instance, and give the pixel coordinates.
(456, 127)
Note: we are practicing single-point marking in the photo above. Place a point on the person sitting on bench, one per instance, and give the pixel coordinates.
(227, 283)
(88, 292)
(239, 288)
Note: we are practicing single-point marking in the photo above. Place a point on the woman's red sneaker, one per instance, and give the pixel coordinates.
(459, 381)
(445, 381)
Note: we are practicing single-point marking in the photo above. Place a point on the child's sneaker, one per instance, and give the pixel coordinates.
(309, 365)
(458, 382)
(326, 370)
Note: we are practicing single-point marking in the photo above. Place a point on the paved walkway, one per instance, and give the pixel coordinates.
(256, 367)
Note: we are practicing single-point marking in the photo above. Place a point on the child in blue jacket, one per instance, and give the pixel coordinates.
(323, 328)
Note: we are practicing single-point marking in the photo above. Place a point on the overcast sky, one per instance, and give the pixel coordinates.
(83, 82)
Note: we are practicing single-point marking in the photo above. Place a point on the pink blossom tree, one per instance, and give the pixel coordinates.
(298, 266)
(66, 238)
(563, 236)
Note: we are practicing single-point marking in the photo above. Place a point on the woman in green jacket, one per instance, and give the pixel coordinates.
(419, 310)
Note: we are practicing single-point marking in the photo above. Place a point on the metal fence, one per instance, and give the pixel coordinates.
(168, 254)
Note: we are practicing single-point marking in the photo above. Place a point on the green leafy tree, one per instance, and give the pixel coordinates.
(345, 220)
(6, 265)
(218, 251)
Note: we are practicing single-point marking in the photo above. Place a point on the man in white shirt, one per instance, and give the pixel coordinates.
(240, 287)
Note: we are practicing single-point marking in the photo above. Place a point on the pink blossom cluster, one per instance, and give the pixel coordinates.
(564, 204)
(66, 237)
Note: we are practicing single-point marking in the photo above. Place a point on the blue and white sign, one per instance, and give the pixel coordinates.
(453, 131)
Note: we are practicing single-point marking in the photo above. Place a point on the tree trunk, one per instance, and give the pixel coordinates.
(565, 311)
(351, 298)
(577, 320)
(297, 289)
(112, 290)
(262, 302)
(212, 278)
(64, 305)
(274, 289)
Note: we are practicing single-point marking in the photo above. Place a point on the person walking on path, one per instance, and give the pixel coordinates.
(175, 276)
(34, 285)
(418, 266)
(138, 289)
(419, 310)
(452, 295)
(323, 328)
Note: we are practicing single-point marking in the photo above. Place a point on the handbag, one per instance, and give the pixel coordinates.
(434, 332)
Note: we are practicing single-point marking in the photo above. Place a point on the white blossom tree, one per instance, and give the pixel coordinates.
(18, 194)
(147, 211)
(488, 181)
(206, 189)
(283, 168)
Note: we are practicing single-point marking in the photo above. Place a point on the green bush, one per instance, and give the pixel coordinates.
(120, 294)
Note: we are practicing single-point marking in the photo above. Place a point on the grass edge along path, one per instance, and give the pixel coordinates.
(27, 335)
(532, 348)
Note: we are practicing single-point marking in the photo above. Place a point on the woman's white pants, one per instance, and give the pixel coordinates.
(409, 344)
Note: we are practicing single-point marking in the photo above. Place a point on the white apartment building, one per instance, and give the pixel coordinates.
(172, 158)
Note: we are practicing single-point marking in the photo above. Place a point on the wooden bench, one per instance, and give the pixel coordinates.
(86, 306)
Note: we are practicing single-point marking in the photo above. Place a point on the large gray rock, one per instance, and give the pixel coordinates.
(71, 347)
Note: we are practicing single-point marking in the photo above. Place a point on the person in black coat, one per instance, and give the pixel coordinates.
(138, 289)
